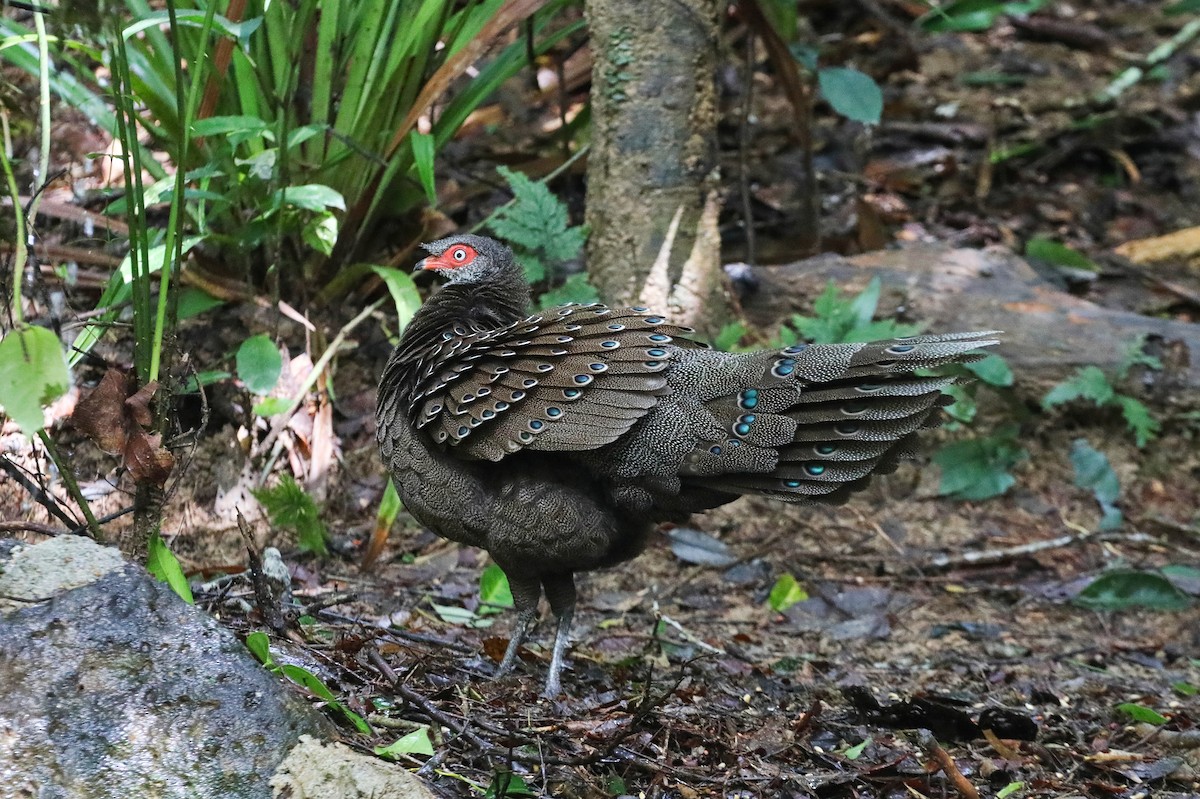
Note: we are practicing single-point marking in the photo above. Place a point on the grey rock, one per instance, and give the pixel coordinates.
(118, 688)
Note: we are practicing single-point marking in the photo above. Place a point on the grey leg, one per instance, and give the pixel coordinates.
(560, 591)
(526, 594)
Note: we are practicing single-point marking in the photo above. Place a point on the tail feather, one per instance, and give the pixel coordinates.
(823, 418)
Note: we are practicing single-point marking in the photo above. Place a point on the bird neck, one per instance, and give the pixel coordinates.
(500, 301)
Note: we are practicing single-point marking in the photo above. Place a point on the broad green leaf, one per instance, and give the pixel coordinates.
(1052, 252)
(33, 373)
(978, 468)
(260, 646)
(1185, 688)
(1120, 590)
(1009, 790)
(785, 593)
(194, 301)
(1093, 471)
(321, 233)
(311, 197)
(259, 363)
(494, 591)
(404, 292)
(414, 743)
(1142, 713)
(1186, 578)
(162, 564)
(852, 94)
(993, 370)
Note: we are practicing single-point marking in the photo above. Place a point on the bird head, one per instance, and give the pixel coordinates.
(466, 258)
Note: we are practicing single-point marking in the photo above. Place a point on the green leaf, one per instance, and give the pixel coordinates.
(785, 593)
(576, 288)
(964, 407)
(974, 15)
(855, 752)
(33, 374)
(1087, 383)
(194, 301)
(453, 614)
(269, 406)
(993, 370)
(260, 646)
(978, 468)
(537, 226)
(423, 154)
(304, 677)
(259, 363)
(852, 94)
(389, 507)
(494, 591)
(163, 565)
(506, 784)
(311, 197)
(321, 233)
(289, 506)
(1093, 471)
(1009, 790)
(840, 319)
(225, 125)
(1120, 590)
(862, 308)
(727, 337)
(782, 16)
(404, 292)
(1185, 688)
(1142, 713)
(1052, 252)
(414, 743)
(1137, 416)
(1182, 7)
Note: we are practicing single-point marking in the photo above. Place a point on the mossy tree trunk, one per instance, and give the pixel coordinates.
(652, 171)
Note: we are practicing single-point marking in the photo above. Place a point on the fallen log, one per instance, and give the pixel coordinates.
(1048, 333)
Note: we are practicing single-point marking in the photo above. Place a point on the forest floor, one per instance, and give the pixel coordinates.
(683, 681)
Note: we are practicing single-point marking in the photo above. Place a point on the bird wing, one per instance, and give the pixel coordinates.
(573, 378)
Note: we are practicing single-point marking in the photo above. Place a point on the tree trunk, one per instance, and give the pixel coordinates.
(652, 171)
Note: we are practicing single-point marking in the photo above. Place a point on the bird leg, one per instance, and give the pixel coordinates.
(526, 594)
(560, 592)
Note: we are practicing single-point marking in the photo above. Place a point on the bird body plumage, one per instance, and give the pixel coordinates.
(558, 441)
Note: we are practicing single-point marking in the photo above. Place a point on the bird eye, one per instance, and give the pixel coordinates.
(459, 254)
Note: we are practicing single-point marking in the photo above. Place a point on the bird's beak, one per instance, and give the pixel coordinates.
(428, 264)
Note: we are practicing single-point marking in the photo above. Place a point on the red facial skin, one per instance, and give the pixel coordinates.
(457, 256)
